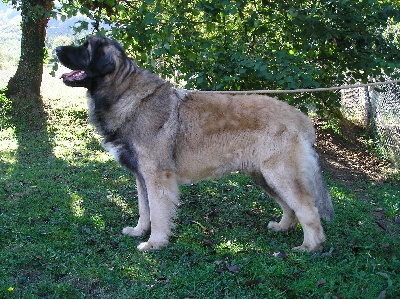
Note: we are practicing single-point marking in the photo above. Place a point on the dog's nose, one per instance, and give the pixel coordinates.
(58, 50)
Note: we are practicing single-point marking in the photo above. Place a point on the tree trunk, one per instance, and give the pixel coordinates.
(25, 84)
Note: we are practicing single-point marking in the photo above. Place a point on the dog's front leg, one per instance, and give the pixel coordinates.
(143, 224)
(163, 195)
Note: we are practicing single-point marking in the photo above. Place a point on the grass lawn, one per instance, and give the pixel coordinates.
(64, 202)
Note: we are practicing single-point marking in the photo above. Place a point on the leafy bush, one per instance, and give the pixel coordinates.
(250, 45)
(5, 109)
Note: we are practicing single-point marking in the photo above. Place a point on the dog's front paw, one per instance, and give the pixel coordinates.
(133, 231)
(149, 245)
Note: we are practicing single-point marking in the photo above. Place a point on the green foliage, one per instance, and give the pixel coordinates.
(245, 45)
(333, 124)
(5, 109)
(392, 33)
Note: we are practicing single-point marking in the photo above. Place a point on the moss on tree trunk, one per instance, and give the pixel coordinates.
(25, 84)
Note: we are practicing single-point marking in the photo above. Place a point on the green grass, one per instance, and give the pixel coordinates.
(64, 202)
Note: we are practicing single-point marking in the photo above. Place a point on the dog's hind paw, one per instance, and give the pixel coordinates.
(310, 247)
(278, 226)
(144, 246)
(285, 224)
(274, 226)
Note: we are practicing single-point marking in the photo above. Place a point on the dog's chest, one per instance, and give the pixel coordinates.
(114, 141)
(123, 152)
(101, 120)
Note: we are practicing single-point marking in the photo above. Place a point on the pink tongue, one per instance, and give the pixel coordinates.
(70, 74)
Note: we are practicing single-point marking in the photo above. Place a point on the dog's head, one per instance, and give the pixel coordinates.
(95, 59)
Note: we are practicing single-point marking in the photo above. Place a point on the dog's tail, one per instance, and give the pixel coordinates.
(323, 200)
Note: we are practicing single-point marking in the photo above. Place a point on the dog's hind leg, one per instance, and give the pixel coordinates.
(293, 181)
(143, 224)
(163, 195)
(288, 219)
(298, 204)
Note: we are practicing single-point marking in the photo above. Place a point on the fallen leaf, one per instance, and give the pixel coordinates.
(253, 282)
(214, 213)
(218, 263)
(381, 225)
(280, 254)
(86, 229)
(382, 295)
(209, 232)
(325, 254)
(163, 279)
(233, 268)
(231, 225)
(321, 282)
(207, 242)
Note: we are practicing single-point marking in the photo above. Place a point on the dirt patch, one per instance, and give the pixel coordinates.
(346, 156)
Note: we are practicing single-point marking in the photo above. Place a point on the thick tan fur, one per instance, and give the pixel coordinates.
(167, 137)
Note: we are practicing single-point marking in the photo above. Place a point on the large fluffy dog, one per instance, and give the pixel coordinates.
(167, 137)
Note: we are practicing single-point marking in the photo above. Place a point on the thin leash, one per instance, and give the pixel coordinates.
(294, 90)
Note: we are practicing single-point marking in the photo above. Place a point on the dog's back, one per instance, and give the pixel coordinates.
(222, 133)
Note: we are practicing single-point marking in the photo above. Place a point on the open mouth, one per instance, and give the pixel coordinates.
(74, 76)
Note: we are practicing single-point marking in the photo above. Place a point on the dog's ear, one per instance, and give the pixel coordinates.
(101, 62)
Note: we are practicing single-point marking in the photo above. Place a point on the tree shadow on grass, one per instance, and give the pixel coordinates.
(38, 171)
(52, 208)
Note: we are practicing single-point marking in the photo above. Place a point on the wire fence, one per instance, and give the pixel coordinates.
(377, 108)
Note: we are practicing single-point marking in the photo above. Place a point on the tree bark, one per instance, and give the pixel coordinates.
(25, 84)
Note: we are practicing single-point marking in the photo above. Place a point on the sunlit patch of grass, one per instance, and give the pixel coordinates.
(77, 205)
(98, 221)
(9, 146)
(231, 246)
